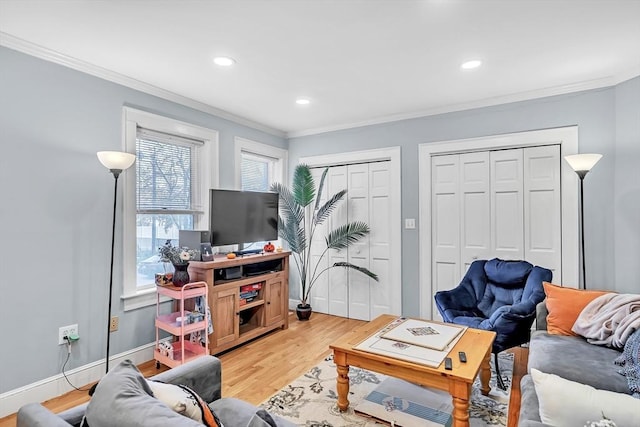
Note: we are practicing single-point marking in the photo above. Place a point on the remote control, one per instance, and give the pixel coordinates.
(447, 364)
(462, 356)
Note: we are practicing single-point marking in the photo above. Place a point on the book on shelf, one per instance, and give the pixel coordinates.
(248, 294)
(253, 287)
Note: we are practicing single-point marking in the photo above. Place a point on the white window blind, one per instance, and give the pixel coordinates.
(167, 179)
(256, 172)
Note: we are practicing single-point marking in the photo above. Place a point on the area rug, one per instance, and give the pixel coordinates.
(311, 400)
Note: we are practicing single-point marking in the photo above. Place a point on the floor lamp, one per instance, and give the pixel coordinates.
(116, 162)
(582, 164)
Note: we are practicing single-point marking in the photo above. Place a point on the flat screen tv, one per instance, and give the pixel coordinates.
(239, 217)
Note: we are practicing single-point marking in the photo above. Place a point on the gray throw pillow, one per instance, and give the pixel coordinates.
(123, 398)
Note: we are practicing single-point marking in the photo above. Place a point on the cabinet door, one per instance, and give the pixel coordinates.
(226, 327)
(274, 301)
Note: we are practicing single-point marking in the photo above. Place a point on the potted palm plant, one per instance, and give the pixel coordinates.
(301, 212)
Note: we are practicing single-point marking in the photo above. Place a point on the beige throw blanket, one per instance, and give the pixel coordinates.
(609, 320)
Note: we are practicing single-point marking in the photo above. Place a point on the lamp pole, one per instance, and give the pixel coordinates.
(116, 173)
(116, 162)
(582, 164)
(581, 175)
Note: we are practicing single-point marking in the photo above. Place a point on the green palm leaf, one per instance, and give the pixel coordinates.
(288, 205)
(325, 210)
(363, 270)
(347, 234)
(303, 187)
(292, 234)
(320, 188)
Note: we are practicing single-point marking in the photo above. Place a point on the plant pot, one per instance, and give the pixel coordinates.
(303, 311)
(180, 275)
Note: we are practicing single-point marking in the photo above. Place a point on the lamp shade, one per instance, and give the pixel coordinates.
(118, 160)
(583, 162)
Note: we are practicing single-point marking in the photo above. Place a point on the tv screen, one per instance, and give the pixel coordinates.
(237, 217)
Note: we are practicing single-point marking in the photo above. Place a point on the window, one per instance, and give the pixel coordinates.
(257, 167)
(167, 196)
(257, 172)
(176, 164)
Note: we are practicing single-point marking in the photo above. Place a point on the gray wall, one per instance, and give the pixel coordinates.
(626, 200)
(610, 191)
(55, 215)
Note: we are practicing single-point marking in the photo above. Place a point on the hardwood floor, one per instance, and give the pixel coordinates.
(261, 367)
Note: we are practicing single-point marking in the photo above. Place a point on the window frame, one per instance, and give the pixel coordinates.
(133, 296)
(280, 155)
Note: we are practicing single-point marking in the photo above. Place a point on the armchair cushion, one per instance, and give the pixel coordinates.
(507, 274)
(496, 295)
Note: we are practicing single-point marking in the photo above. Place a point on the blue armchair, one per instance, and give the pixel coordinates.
(499, 296)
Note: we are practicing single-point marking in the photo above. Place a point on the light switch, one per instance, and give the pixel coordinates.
(410, 223)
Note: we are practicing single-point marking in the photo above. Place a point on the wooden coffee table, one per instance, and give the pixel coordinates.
(475, 343)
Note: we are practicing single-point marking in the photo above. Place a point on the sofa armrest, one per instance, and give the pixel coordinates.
(541, 316)
(203, 375)
(36, 415)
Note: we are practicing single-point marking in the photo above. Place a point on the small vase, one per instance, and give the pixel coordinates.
(303, 311)
(180, 275)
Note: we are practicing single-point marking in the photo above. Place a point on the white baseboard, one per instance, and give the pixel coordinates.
(56, 385)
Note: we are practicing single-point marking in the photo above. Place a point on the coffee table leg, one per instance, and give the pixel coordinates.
(343, 387)
(460, 412)
(460, 393)
(485, 374)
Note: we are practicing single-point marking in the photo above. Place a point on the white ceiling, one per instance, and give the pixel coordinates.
(358, 61)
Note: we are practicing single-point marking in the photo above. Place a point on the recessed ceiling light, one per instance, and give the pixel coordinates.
(224, 61)
(303, 101)
(469, 65)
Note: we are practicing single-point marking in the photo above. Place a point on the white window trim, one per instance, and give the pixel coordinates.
(248, 146)
(133, 296)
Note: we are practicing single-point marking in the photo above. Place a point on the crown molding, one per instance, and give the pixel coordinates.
(20, 45)
(488, 102)
(15, 43)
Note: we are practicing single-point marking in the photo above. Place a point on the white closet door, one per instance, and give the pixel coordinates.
(319, 298)
(338, 277)
(542, 234)
(358, 253)
(475, 205)
(445, 225)
(507, 228)
(383, 299)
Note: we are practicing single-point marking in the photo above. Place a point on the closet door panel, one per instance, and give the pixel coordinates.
(319, 298)
(445, 226)
(358, 253)
(507, 226)
(475, 208)
(383, 299)
(337, 277)
(542, 207)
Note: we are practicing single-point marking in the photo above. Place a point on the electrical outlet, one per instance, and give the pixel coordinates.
(113, 326)
(66, 331)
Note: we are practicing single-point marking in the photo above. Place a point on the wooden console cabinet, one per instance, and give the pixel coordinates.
(235, 319)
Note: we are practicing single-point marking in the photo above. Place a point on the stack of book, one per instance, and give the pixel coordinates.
(248, 293)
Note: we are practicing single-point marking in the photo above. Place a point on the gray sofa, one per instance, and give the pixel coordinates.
(572, 358)
(202, 375)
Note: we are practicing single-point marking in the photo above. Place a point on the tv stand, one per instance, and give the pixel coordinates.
(245, 307)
